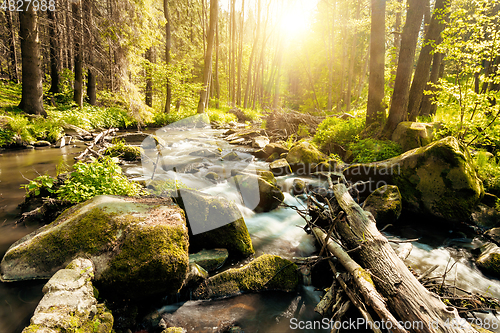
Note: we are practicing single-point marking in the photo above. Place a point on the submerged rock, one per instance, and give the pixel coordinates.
(69, 304)
(210, 260)
(267, 272)
(489, 260)
(215, 222)
(138, 246)
(258, 193)
(437, 180)
(410, 135)
(385, 204)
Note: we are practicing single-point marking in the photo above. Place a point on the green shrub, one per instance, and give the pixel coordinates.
(6, 137)
(371, 150)
(221, 116)
(35, 186)
(95, 178)
(338, 131)
(36, 128)
(488, 171)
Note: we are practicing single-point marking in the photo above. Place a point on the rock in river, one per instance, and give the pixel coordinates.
(69, 304)
(437, 180)
(385, 204)
(138, 246)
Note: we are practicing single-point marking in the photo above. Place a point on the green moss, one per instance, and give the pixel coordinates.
(147, 257)
(267, 272)
(31, 329)
(124, 151)
(360, 272)
(174, 330)
(89, 235)
(306, 153)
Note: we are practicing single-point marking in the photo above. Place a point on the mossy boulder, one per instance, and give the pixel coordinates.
(485, 217)
(437, 180)
(258, 193)
(138, 246)
(123, 151)
(410, 135)
(385, 204)
(280, 167)
(69, 304)
(267, 272)
(489, 260)
(304, 155)
(215, 222)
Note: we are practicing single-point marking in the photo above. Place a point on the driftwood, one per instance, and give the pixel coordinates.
(406, 296)
(90, 149)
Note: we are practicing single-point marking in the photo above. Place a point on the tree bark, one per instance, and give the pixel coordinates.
(405, 295)
(252, 55)
(78, 43)
(32, 89)
(14, 73)
(375, 111)
(216, 74)
(399, 104)
(149, 76)
(427, 106)
(214, 11)
(432, 38)
(55, 52)
(397, 44)
(168, 47)
(352, 61)
(240, 53)
(91, 74)
(69, 33)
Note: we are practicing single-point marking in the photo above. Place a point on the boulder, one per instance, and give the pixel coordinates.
(215, 222)
(69, 304)
(195, 276)
(276, 148)
(125, 152)
(410, 135)
(258, 193)
(385, 204)
(485, 217)
(437, 180)
(493, 234)
(267, 272)
(41, 143)
(489, 260)
(304, 156)
(210, 260)
(232, 156)
(260, 142)
(280, 167)
(138, 246)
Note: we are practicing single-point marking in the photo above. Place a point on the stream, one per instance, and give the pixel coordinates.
(277, 232)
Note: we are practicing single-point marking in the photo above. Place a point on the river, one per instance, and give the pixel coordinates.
(278, 232)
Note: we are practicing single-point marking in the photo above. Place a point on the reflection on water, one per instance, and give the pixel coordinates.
(19, 300)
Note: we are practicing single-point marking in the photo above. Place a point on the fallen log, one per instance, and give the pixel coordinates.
(100, 137)
(406, 296)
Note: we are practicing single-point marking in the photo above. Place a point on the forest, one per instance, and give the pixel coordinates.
(249, 166)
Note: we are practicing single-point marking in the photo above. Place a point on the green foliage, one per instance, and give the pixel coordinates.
(334, 131)
(6, 137)
(35, 128)
(98, 177)
(35, 186)
(221, 116)
(371, 150)
(90, 117)
(488, 171)
(469, 44)
(303, 131)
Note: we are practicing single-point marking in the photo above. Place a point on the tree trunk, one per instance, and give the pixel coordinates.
(168, 47)
(32, 89)
(350, 78)
(69, 33)
(399, 104)
(91, 74)
(424, 60)
(149, 76)
(331, 57)
(14, 73)
(252, 55)
(55, 54)
(427, 106)
(397, 44)
(375, 111)
(214, 10)
(232, 75)
(405, 295)
(78, 42)
(216, 74)
(240, 53)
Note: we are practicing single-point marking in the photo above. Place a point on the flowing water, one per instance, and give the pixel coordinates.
(278, 232)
